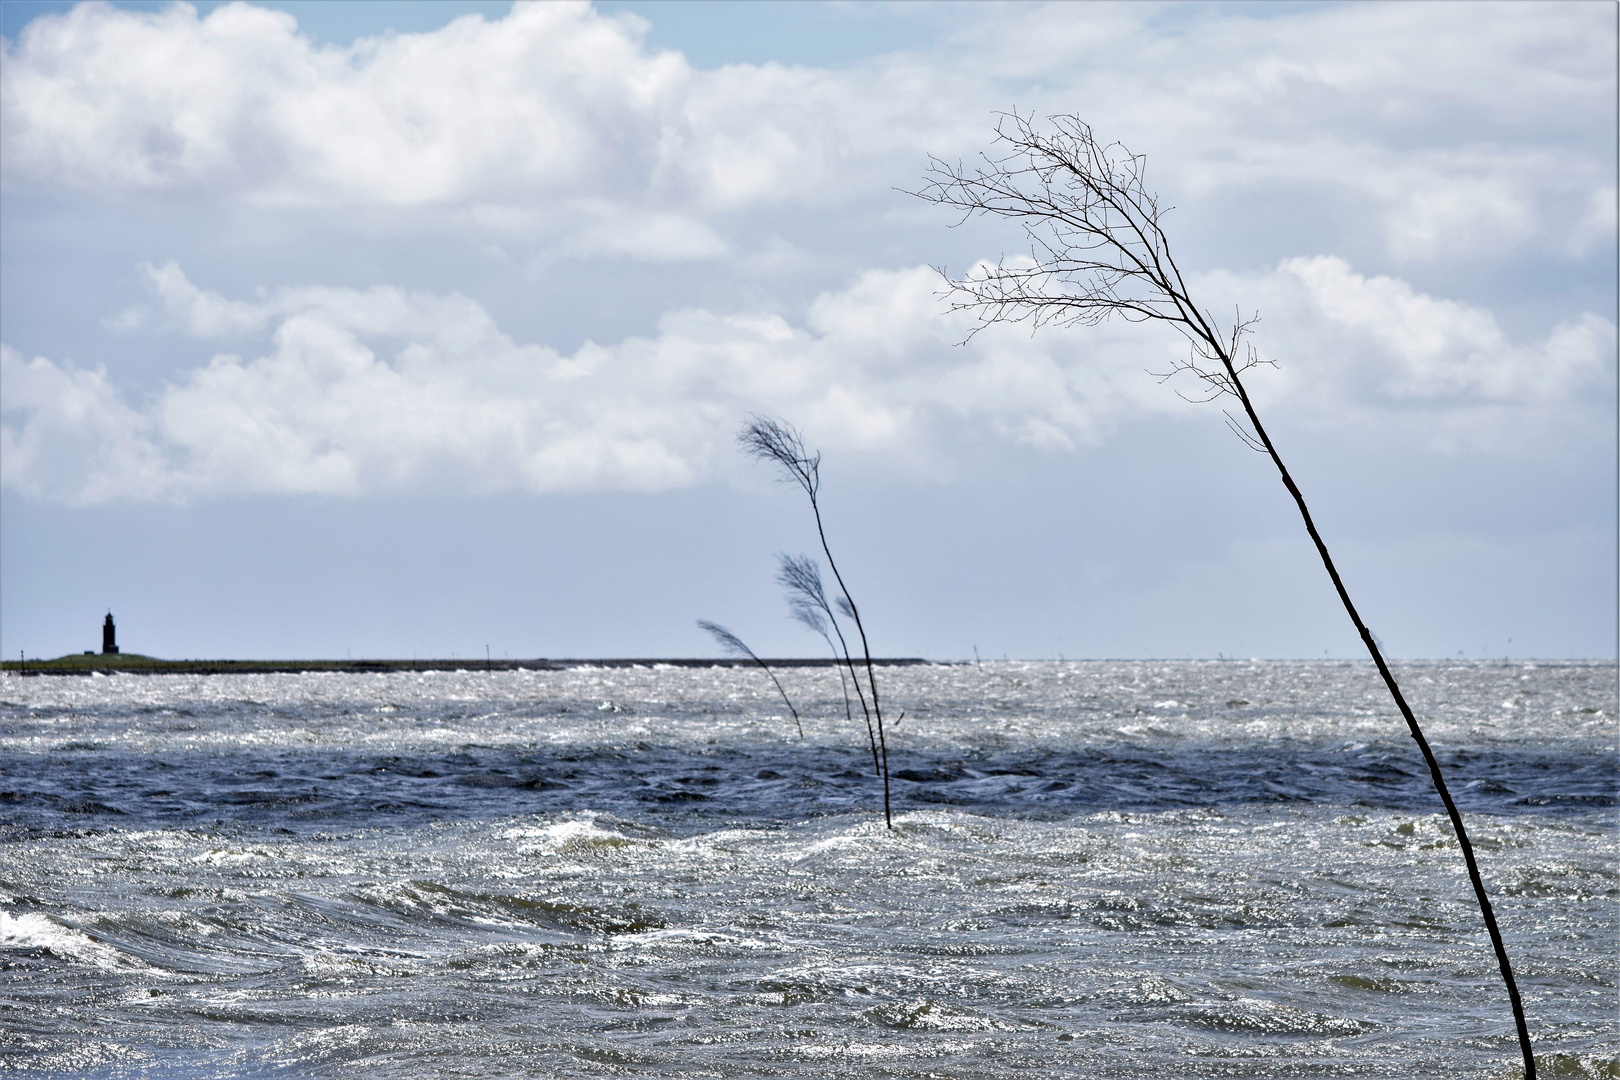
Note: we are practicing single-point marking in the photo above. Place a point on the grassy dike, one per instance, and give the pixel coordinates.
(135, 664)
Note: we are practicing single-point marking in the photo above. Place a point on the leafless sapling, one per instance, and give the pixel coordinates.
(779, 443)
(807, 601)
(734, 645)
(1098, 250)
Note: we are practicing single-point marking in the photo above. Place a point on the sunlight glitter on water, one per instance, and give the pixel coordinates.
(490, 874)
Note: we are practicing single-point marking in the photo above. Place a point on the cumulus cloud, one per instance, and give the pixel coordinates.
(383, 389)
(1467, 128)
(78, 441)
(1373, 352)
(553, 115)
(354, 391)
(1440, 352)
(239, 101)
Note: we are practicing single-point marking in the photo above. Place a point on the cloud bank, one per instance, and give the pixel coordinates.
(557, 129)
(355, 392)
(1468, 128)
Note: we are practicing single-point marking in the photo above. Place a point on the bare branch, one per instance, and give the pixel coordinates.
(1096, 246)
(1237, 429)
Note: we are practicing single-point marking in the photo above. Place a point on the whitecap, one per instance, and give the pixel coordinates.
(35, 931)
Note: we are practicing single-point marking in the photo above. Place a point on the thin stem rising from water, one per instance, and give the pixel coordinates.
(781, 444)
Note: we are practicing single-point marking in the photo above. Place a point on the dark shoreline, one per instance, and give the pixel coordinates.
(131, 664)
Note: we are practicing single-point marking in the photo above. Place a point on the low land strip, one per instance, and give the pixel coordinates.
(134, 664)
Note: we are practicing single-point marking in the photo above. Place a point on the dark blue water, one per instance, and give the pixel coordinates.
(1113, 869)
(85, 786)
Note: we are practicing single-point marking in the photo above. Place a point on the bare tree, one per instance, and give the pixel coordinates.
(807, 601)
(781, 444)
(734, 645)
(1098, 251)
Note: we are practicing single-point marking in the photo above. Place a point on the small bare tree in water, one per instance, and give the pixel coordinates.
(1098, 250)
(781, 444)
(735, 646)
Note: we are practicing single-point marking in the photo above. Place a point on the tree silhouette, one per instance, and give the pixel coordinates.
(1098, 251)
(781, 444)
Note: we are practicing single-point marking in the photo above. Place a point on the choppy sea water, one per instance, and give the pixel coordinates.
(1099, 869)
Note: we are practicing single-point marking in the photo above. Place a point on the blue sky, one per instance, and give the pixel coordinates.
(407, 329)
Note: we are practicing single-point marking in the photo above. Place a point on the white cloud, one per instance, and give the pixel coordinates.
(1459, 217)
(1598, 224)
(1468, 129)
(239, 101)
(1375, 353)
(374, 390)
(79, 442)
(383, 389)
(1441, 352)
(188, 309)
(552, 101)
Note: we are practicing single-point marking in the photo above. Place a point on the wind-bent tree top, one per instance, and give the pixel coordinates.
(778, 441)
(807, 597)
(728, 641)
(1096, 245)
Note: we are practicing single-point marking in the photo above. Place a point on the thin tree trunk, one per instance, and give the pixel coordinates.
(1411, 722)
(871, 680)
(849, 714)
(783, 692)
(877, 770)
(1095, 234)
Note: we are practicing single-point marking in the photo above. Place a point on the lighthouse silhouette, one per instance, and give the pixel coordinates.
(109, 636)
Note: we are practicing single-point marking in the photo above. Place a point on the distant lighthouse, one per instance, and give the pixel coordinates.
(109, 636)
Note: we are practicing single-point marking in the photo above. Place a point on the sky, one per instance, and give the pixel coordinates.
(420, 329)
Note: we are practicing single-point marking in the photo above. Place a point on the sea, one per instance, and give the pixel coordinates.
(1095, 869)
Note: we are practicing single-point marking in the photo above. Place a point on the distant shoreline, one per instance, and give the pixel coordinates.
(134, 664)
